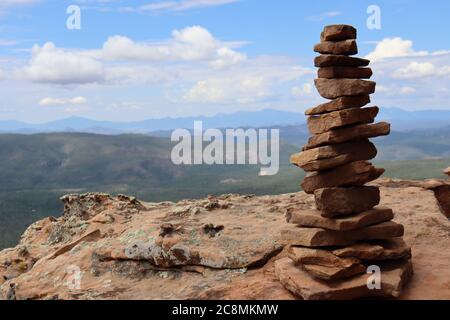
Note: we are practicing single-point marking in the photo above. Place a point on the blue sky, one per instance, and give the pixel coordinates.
(147, 59)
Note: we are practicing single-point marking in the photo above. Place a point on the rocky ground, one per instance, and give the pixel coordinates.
(222, 247)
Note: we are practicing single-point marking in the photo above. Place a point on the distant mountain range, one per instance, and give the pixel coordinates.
(400, 119)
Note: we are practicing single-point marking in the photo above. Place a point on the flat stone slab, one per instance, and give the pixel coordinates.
(335, 88)
(325, 122)
(328, 157)
(353, 174)
(379, 250)
(313, 218)
(331, 60)
(345, 47)
(317, 237)
(340, 103)
(394, 276)
(356, 132)
(334, 202)
(324, 265)
(344, 72)
(338, 32)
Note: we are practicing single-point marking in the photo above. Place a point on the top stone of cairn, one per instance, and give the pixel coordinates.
(338, 32)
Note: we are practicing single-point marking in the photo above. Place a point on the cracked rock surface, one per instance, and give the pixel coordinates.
(221, 247)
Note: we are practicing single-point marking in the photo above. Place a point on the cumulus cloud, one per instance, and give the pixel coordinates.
(217, 90)
(394, 90)
(397, 48)
(420, 70)
(393, 47)
(256, 81)
(50, 64)
(305, 89)
(192, 67)
(49, 101)
(120, 59)
(190, 44)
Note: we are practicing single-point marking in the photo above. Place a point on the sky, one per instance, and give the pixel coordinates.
(133, 60)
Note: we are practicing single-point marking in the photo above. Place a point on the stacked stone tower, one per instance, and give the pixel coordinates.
(348, 247)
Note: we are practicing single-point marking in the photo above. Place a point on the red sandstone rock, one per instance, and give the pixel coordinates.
(339, 104)
(317, 237)
(299, 282)
(413, 202)
(328, 121)
(328, 157)
(333, 202)
(314, 219)
(338, 32)
(335, 88)
(341, 135)
(324, 265)
(330, 60)
(353, 174)
(345, 72)
(345, 47)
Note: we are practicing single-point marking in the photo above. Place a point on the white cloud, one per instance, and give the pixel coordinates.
(394, 90)
(397, 47)
(10, 3)
(189, 44)
(62, 102)
(50, 64)
(257, 80)
(324, 15)
(392, 48)
(420, 70)
(218, 90)
(305, 89)
(191, 67)
(227, 57)
(180, 5)
(407, 90)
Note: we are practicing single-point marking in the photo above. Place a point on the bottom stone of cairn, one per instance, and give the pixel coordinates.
(395, 274)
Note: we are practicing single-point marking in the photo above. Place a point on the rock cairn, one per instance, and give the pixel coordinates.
(447, 171)
(336, 248)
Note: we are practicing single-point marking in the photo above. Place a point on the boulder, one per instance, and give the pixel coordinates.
(313, 218)
(327, 157)
(333, 202)
(335, 88)
(356, 132)
(339, 104)
(345, 47)
(393, 278)
(378, 250)
(338, 32)
(326, 122)
(317, 237)
(345, 72)
(353, 174)
(331, 60)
